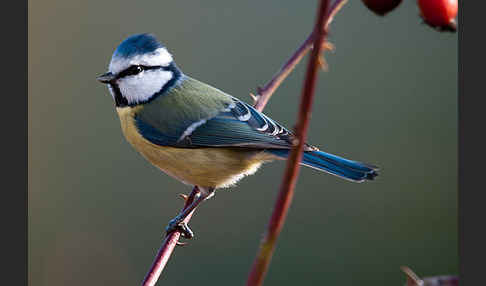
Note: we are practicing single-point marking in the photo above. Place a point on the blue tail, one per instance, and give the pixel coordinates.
(344, 168)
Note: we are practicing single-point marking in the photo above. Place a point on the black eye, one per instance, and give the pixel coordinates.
(132, 70)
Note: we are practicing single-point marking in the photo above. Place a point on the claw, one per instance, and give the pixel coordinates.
(181, 227)
(178, 243)
(185, 231)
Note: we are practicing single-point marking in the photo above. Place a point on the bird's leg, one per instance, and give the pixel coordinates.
(178, 224)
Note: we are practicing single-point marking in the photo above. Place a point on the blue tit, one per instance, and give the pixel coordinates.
(196, 133)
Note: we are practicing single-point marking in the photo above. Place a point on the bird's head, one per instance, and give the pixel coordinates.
(141, 68)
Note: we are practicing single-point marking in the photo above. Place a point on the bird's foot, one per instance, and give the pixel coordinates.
(177, 225)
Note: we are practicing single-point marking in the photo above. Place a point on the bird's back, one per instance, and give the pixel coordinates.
(190, 101)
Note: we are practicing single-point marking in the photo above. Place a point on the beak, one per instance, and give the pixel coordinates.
(106, 78)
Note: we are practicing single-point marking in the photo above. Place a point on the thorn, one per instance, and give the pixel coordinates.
(254, 97)
(412, 278)
(328, 46)
(322, 63)
(184, 197)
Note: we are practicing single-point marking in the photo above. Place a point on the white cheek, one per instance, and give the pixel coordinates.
(111, 91)
(143, 86)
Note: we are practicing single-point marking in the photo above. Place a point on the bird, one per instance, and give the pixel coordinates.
(197, 133)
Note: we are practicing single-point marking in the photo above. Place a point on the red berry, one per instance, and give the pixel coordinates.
(381, 7)
(439, 13)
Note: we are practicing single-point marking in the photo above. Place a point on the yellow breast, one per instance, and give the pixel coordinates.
(205, 167)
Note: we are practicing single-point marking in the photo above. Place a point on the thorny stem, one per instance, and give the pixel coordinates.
(168, 246)
(264, 93)
(261, 100)
(284, 199)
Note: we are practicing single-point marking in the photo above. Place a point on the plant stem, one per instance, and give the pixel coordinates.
(168, 246)
(264, 93)
(267, 91)
(284, 199)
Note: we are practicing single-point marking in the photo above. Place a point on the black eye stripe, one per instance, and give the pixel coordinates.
(122, 101)
(136, 69)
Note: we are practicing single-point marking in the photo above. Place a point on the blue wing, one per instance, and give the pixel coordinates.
(224, 121)
(239, 125)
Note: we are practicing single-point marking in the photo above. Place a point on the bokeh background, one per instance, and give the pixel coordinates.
(97, 209)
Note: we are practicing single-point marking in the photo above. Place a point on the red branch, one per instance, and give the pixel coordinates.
(168, 246)
(264, 94)
(277, 220)
(261, 100)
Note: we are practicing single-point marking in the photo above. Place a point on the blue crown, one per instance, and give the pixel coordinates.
(137, 45)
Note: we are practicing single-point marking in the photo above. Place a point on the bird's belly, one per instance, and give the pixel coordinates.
(205, 167)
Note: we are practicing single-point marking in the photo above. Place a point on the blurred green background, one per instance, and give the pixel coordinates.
(97, 209)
